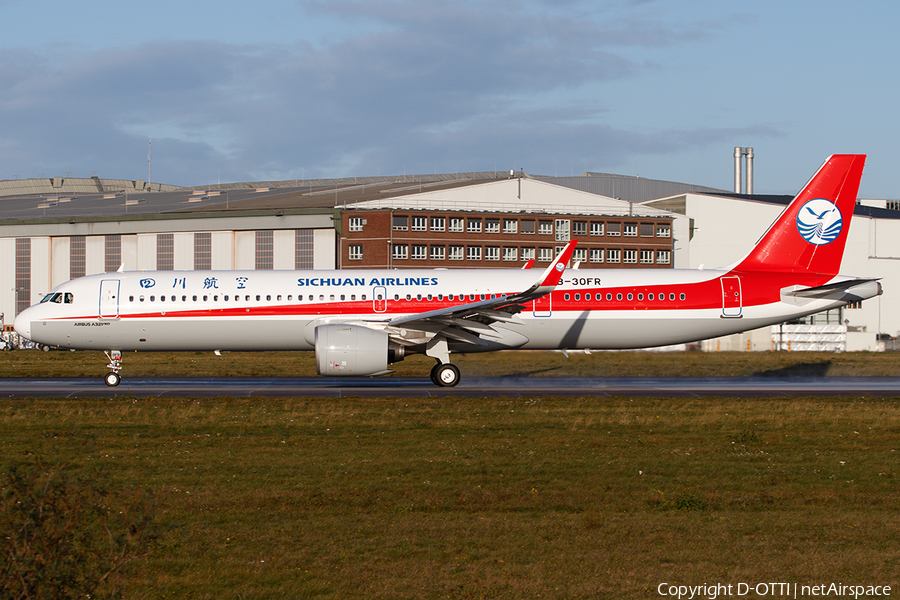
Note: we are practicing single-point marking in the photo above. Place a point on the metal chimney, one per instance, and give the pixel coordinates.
(739, 153)
(749, 153)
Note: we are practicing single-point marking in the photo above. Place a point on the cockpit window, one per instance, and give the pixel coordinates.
(52, 297)
(68, 298)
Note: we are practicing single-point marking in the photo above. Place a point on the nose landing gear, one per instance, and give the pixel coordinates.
(113, 378)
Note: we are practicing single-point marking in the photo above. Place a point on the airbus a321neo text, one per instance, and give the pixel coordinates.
(360, 322)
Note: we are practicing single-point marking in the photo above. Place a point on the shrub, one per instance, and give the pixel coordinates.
(65, 534)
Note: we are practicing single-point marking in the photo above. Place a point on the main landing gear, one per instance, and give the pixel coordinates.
(445, 375)
(113, 378)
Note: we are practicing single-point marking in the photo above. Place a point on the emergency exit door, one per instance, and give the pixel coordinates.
(731, 297)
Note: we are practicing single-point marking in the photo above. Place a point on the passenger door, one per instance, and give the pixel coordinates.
(109, 299)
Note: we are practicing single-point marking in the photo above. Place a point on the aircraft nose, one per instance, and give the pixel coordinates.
(22, 324)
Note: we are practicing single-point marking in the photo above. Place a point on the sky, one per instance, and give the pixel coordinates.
(233, 91)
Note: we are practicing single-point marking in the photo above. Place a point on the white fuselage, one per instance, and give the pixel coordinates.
(279, 310)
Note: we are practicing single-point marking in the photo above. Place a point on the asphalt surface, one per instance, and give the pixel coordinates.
(239, 387)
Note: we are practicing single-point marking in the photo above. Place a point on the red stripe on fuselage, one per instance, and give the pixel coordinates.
(756, 289)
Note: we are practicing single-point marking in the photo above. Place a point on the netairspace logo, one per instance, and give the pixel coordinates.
(772, 590)
(819, 221)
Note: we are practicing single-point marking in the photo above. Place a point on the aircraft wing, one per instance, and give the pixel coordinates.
(466, 322)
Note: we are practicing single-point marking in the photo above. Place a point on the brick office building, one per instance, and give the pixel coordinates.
(482, 226)
(398, 238)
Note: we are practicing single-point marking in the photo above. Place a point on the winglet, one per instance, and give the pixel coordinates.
(552, 276)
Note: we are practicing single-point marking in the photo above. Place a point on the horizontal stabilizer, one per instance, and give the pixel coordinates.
(851, 290)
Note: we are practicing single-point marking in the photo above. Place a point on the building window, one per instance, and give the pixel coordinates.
(562, 230)
(545, 254)
(112, 251)
(473, 253)
(356, 223)
(437, 223)
(437, 253)
(510, 226)
(492, 252)
(202, 251)
(646, 257)
(304, 249)
(400, 252)
(456, 224)
(579, 255)
(579, 228)
(545, 227)
(419, 252)
(77, 256)
(631, 257)
(492, 225)
(356, 252)
(265, 250)
(596, 255)
(631, 229)
(399, 222)
(528, 226)
(457, 252)
(419, 224)
(614, 229)
(613, 256)
(596, 227)
(23, 274)
(527, 253)
(647, 229)
(663, 257)
(664, 231)
(473, 225)
(165, 252)
(510, 254)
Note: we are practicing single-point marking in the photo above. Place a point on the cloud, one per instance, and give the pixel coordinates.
(420, 85)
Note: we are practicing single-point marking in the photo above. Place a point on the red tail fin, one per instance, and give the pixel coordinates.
(810, 234)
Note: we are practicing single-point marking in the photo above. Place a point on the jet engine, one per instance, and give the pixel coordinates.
(347, 350)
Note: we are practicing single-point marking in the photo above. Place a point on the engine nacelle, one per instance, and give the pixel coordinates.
(344, 350)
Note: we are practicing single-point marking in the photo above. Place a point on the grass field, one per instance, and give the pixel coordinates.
(488, 498)
(32, 363)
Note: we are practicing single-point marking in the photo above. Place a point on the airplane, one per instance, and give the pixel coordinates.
(358, 323)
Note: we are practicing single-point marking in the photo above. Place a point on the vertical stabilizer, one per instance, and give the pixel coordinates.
(810, 235)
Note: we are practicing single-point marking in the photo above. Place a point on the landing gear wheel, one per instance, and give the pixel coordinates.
(112, 379)
(445, 375)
